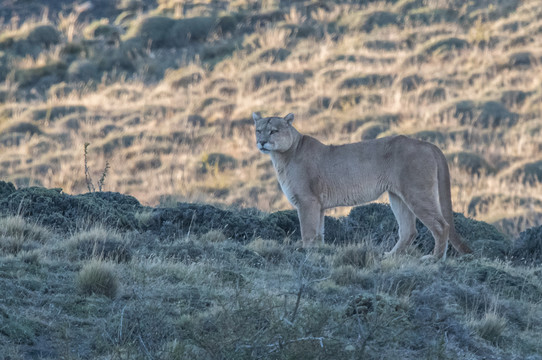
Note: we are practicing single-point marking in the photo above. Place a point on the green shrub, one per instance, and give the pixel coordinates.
(99, 278)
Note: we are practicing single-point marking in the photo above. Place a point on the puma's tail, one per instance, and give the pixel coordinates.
(445, 198)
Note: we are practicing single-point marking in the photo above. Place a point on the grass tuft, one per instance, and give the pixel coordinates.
(268, 249)
(17, 234)
(490, 327)
(98, 278)
(213, 236)
(99, 243)
(354, 255)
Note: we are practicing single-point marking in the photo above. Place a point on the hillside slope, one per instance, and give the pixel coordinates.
(99, 276)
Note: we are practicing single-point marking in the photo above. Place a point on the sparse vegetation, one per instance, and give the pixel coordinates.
(163, 90)
(88, 178)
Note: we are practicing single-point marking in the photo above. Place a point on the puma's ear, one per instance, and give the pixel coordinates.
(256, 116)
(289, 118)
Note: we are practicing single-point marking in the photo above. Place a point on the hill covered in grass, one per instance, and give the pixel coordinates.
(98, 275)
(163, 92)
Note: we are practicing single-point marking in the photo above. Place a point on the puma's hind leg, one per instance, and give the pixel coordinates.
(407, 224)
(429, 213)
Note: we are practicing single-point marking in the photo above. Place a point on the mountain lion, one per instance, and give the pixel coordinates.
(315, 177)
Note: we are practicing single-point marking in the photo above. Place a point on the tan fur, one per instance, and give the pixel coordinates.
(315, 177)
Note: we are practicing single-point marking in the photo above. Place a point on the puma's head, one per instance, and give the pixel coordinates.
(274, 133)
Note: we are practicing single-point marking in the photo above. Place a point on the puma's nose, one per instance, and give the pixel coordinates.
(262, 143)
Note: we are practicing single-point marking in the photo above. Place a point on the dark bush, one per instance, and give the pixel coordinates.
(153, 30)
(411, 82)
(527, 248)
(432, 136)
(370, 80)
(82, 70)
(31, 76)
(162, 31)
(372, 130)
(474, 164)
(433, 94)
(494, 114)
(529, 173)
(219, 161)
(378, 19)
(31, 41)
(99, 29)
(445, 44)
(521, 60)
(44, 35)
(52, 113)
(268, 76)
(427, 16)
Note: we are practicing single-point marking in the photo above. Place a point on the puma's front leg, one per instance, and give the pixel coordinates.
(309, 213)
(322, 223)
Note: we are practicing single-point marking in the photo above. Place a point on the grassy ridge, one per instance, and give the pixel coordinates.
(148, 283)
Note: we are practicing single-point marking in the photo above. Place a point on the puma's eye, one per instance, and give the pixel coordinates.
(273, 132)
(258, 131)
